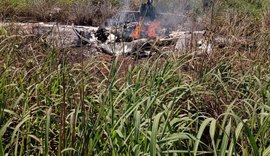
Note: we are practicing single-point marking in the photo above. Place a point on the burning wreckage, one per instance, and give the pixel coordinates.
(141, 33)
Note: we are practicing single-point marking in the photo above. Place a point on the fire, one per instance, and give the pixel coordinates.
(137, 32)
(152, 28)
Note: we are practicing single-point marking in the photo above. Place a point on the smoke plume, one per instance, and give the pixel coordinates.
(124, 9)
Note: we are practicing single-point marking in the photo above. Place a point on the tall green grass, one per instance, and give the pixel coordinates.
(159, 107)
(171, 104)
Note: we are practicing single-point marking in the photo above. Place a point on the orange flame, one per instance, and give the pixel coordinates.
(137, 31)
(152, 28)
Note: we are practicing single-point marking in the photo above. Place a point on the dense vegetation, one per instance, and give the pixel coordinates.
(55, 103)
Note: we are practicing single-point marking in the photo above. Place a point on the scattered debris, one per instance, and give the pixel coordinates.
(142, 35)
(111, 40)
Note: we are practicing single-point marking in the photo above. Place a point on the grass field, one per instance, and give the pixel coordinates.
(168, 104)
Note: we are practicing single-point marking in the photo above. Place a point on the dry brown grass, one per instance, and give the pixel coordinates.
(84, 12)
(91, 12)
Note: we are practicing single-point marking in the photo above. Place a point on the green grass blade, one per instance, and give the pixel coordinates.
(200, 133)
(251, 139)
(137, 124)
(238, 131)
(212, 132)
(153, 141)
(18, 127)
(177, 136)
(224, 121)
(4, 127)
(2, 151)
(225, 139)
(47, 131)
(266, 152)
